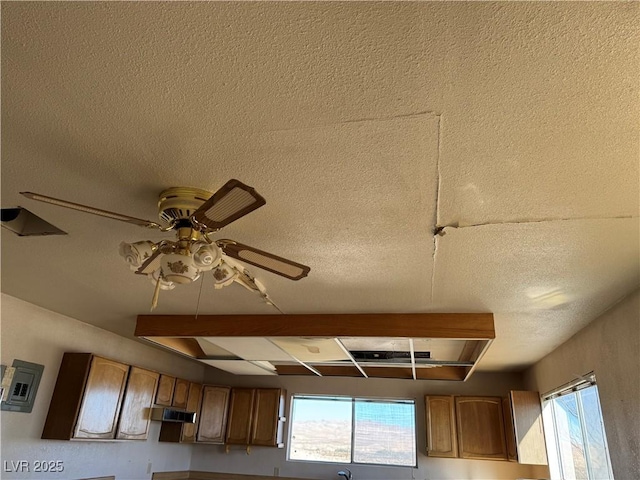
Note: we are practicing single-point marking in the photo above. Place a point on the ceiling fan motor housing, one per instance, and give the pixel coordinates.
(180, 203)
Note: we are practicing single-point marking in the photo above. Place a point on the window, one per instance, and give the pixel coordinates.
(576, 440)
(353, 430)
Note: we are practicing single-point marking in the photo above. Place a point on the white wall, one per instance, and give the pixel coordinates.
(610, 347)
(36, 335)
(263, 460)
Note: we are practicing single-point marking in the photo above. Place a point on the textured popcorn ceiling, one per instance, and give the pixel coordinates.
(511, 126)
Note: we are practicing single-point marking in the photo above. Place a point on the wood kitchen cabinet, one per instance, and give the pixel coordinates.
(184, 432)
(480, 428)
(240, 416)
(441, 426)
(180, 394)
(256, 417)
(193, 405)
(523, 427)
(166, 386)
(213, 414)
(87, 398)
(138, 399)
(268, 418)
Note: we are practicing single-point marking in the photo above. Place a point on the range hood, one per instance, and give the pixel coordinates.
(172, 415)
(420, 346)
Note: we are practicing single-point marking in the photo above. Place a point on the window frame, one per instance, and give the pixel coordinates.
(353, 400)
(554, 449)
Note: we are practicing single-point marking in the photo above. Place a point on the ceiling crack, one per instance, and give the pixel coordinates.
(433, 267)
(440, 230)
(436, 219)
(359, 120)
(395, 117)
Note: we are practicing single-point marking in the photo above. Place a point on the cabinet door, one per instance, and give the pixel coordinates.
(102, 399)
(138, 399)
(441, 426)
(527, 425)
(240, 416)
(165, 390)
(267, 409)
(480, 428)
(507, 413)
(213, 414)
(67, 396)
(180, 394)
(193, 405)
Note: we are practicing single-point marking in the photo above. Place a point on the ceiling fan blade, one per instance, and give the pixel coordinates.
(265, 260)
(95, 211)
(151, 264)
(232, 201)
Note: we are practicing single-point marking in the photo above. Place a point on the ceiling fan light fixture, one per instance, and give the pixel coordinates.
(205, 256)
(178, 268)
(193, 214)
(136, 253)
(224, 275)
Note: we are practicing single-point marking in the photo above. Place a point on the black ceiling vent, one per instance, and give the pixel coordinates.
(25, 224)
(373, 355)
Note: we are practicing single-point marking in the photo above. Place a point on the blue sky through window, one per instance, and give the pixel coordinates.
(327, 429)
(306, 409)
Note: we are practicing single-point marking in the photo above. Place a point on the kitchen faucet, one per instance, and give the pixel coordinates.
(346, 473)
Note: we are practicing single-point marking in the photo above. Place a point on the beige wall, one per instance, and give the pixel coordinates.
(262, 461)
(40, 336)
(610, 347)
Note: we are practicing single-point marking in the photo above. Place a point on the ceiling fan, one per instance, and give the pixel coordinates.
(194, 214)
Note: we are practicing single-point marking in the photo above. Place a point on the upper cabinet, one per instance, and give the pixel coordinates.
(255, 417)
(240, 416)
(486, 428)
(268, 416)
(213, 414)
(441, 426)
(193, 405)
(102, 399)
(480, 428)
(165, 390)
(180, 394)
(87, 398)
(183, 432)
(524, 430)
(138, 399)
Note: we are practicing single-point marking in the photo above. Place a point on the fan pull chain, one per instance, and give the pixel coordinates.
(267, 299)
(199, 294)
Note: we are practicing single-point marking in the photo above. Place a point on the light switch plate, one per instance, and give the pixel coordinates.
(24, 386)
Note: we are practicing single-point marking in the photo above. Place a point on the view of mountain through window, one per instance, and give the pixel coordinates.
(353, 430)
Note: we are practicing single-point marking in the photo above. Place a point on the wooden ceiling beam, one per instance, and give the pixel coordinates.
(469, 326)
